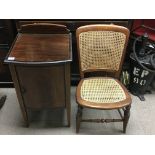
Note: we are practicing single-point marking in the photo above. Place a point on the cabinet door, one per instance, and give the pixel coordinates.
(42, 86)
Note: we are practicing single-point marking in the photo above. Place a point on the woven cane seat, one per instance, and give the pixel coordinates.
(102, 93)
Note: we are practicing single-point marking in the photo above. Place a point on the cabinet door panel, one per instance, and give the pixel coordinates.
(42, 86)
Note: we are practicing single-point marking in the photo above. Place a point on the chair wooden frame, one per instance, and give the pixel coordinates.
(122, 105)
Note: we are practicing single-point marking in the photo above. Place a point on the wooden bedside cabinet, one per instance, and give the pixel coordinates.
(39, 62)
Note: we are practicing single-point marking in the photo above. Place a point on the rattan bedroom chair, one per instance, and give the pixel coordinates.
(101, 50)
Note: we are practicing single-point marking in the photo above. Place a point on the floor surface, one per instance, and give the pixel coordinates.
(142, 120)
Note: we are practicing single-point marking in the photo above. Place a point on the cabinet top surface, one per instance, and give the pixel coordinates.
(40, 48)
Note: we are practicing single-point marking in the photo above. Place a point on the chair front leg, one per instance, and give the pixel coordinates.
(78, 118)
(126, 117)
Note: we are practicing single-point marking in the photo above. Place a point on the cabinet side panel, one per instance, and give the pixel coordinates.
(18, 92)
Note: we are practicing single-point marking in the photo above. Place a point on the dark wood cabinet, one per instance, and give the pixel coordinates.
(40, 68)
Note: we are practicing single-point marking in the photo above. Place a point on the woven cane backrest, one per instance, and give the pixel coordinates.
(101, 48)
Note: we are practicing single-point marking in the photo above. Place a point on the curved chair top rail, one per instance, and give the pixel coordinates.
(103, 27)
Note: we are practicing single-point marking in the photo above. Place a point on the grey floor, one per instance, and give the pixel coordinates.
(142, 120)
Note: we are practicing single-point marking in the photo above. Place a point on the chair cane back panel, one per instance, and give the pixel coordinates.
(101, 47)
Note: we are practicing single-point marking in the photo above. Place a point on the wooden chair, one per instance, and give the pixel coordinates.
(101, 49)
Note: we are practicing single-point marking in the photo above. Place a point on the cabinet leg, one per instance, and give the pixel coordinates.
(126, 117)
(67, 92)
(78, 118)
(25, 116)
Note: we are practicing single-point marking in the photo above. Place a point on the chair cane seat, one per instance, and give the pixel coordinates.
(105, 93)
